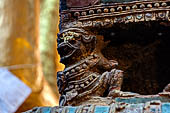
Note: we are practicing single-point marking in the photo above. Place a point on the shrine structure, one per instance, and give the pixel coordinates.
(116, 57)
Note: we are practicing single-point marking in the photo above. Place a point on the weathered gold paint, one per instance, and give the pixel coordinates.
(19, 49)
(49, 19)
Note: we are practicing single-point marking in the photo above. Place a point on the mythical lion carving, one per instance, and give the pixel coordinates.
(89, 73)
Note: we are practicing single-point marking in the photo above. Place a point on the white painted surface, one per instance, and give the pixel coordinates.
(13, 92)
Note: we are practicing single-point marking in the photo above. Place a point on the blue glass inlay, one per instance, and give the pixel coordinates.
(136, 100)
(72, 109)
(46, 110)
(101, 109)
(133, 108)
(166, 108)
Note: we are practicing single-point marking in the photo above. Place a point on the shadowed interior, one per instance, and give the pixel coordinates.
(143, 52)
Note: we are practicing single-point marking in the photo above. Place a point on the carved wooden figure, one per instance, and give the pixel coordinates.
(82, 40)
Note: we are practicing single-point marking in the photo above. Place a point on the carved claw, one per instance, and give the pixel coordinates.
(115, 82)
(62, 100)
(114, 93)
(128, 94)
(116, 79)
(118, 93)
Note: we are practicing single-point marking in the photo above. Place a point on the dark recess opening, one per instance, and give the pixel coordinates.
(143, 53)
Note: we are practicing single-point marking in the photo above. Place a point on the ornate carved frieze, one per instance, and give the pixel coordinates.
(135, 11)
